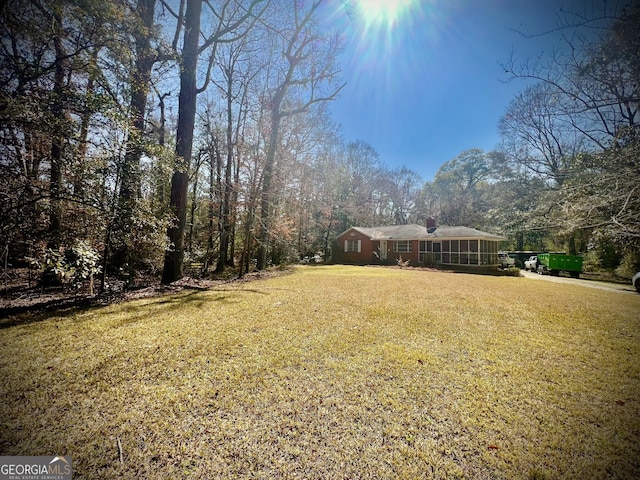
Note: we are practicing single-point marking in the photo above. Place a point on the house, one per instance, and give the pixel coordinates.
(431, 245)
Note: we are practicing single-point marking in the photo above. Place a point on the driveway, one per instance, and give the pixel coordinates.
(615, 287)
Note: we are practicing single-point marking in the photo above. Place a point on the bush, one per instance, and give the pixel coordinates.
(71, 268)
(606, 252)
(590, 262)
(629, 266)
(83, 263)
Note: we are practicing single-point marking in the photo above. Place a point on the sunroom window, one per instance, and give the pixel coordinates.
(469, 252)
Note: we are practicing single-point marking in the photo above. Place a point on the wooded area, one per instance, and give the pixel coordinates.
(152, 135)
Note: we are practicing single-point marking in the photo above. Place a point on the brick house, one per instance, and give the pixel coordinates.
(430, 246)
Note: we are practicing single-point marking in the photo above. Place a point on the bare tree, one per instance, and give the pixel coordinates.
(233, 21)
(539, 135)
(590, 82)
(577, 126)
(604, 196)
(308, 67)
(404, 186)
(458, 185)
(237, 75)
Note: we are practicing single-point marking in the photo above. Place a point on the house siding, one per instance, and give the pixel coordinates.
(370, 251)
(364, 257)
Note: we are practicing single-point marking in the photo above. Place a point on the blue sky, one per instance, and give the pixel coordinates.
(430, 86)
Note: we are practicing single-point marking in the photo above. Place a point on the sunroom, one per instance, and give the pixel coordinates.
(467, 251)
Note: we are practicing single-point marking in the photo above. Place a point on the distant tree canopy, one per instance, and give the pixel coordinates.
(169, 134)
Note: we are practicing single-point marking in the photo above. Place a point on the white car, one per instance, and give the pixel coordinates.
(635, 281)
(532, 263)
(505, 260)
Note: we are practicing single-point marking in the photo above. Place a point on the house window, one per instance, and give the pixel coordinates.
(352, 245)
(403, 246)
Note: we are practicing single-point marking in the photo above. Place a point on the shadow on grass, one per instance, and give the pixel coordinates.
(11, 317)
(75, 306)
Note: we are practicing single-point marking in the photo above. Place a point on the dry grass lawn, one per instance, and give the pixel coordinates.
(335, 372)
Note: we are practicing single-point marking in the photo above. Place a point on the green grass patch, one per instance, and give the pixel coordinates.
(335, 372)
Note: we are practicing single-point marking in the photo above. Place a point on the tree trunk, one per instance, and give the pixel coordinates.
(572, 244)
(234, 212)
(161, 180)
(245, 256)
(225, 224)
(212, 201)
(85, 119)
(140, 83)
(55, 182)
(265, 201)
(174, 256)
(194, 205)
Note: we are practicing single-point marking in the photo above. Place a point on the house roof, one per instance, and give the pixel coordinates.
(419, 232)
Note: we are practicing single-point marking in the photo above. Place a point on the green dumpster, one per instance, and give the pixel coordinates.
(554, 263)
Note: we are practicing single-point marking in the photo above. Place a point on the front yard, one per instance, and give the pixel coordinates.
(334, 372)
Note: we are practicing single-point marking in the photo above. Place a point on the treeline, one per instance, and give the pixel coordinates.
(149, 135)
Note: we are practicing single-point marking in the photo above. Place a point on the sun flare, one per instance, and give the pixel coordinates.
(382, 12)
(386, 35)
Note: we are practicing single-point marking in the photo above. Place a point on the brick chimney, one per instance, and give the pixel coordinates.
(431, 224)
